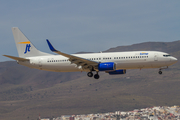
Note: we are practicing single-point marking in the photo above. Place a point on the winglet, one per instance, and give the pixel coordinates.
(50, 46)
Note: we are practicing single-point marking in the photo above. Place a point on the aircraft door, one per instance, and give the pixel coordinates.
(155, 57)
(40, 63)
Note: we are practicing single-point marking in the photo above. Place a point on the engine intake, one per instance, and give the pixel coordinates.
(107, 66)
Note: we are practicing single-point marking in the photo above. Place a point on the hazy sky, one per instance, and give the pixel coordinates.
(88, 25)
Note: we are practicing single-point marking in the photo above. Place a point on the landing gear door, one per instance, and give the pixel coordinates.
(155, 57)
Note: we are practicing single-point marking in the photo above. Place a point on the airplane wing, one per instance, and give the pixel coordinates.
(85, 63)
(16, 58)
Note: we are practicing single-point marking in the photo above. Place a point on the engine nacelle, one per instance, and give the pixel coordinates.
(106, 66)
(116, 72)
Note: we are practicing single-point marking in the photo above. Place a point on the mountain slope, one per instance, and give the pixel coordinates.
(25, 92)
(155, 46)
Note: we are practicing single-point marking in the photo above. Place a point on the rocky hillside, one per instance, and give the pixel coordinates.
(25, 92)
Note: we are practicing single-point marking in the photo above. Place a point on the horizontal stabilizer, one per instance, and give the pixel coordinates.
(16, 58)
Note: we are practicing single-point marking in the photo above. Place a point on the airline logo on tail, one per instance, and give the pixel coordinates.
(28, 46)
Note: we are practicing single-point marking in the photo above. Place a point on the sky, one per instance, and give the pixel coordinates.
(88, 25)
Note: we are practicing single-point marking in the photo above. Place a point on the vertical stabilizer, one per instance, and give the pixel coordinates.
(24, 47)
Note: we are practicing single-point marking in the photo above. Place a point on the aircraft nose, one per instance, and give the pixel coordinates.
(174, 59)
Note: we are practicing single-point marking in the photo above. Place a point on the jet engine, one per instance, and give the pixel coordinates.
(116, 72)
(107, 66)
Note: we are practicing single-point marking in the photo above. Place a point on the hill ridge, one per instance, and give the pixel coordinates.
(26, 92)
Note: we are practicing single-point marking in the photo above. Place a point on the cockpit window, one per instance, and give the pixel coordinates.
(166, 55)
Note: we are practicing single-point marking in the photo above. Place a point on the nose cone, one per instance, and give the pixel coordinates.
(174, 60)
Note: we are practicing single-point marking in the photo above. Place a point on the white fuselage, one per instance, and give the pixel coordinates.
(123, 60)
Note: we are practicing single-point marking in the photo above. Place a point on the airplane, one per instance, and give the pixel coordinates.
(114, 63)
